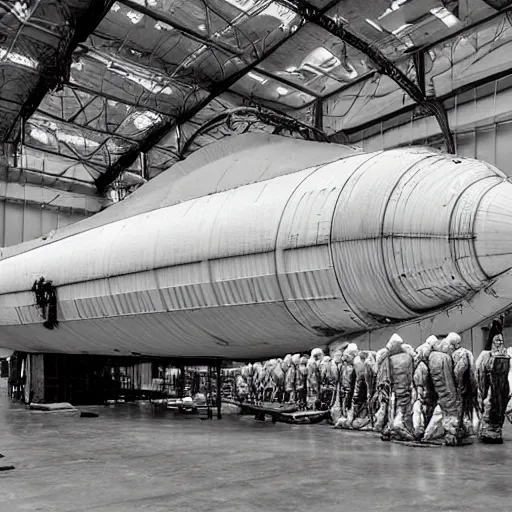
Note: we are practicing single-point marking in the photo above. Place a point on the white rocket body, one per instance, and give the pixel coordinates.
(262, 246)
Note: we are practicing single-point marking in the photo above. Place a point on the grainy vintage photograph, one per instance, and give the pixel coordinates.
(255, 255)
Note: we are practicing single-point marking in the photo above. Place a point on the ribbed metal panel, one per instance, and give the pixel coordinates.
(306, 273)
(419, 240)
(210, 332)
(186, 286)
(357, 234)
(140, 295)
(493, 242)
(245, 279)
(463, 221)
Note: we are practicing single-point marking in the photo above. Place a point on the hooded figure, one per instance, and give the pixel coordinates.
(425, 400)
(327, 382)
(447, 420)
(395, 376)
(492, 369)
(348, 377)
(301, 381)
(278, 378)
(291, 378)
(359, 415)
(313, 381)
(336, 369)
(257, 381)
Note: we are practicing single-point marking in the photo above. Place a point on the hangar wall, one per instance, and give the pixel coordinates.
(32, 204)
(20, 222)
(481, 120)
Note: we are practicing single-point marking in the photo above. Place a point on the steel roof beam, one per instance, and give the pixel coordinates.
(223, 86)
(129, 158)
(84, 26)
(383, 64)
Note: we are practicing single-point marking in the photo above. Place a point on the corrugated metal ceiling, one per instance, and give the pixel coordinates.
(95, 87)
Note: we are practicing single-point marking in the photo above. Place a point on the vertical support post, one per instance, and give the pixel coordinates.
(209, 401)
(419, 64)
(319, 114)
(219, 395)
(180, 381)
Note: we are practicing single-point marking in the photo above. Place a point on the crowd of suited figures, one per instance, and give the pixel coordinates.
(436, 393)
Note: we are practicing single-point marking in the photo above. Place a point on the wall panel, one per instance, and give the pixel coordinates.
(504, 146)
(20, 222)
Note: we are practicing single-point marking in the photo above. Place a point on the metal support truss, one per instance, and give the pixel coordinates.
(52, 77)
(251, 115)
(126, 160)
(384, 65)
(129, 158)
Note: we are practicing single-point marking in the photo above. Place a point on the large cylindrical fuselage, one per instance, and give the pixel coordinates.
(271, 267)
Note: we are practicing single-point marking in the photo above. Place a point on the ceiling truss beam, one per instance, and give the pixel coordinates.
(125, 161)
(54, 77)
(103, 182)
(383, 64)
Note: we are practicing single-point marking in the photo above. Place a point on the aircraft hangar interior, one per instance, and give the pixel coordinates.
(255, 255)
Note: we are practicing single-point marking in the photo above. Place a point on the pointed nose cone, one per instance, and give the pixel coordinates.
(493, 230)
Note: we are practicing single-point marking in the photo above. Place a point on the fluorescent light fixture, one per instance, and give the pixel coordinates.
(320, 62)
(282, 91)
(160, 25)
(77, 65)
(146, 119)
(401, 28)
(395, 5)
(39, 135)
(21, 11)
(150, 85)
(243, 5)
(18, 59)
(374, 25)
(445, 16)
(256, 77)
(135, 17)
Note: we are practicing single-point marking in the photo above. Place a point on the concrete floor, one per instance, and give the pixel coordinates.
(129, 460)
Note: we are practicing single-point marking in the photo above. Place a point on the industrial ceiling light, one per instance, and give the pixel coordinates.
(374, 25)
(21, 11)
(135, 17)
(401, 28)
(243, 5)
(17, 58)
(160, 25)
(257, 77)
(445, 16)
(320, 61)
(146, 119)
